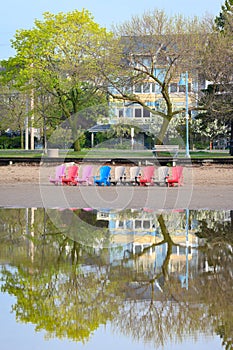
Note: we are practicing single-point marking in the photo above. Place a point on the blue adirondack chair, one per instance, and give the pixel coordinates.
(104, 176)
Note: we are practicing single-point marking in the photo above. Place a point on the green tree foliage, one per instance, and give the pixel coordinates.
(56, 55)
(224, 19)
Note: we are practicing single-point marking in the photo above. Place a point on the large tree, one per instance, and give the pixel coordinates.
(55, 56)
(156, 48)
(217, 69)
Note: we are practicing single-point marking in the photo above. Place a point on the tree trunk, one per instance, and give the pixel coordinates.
(163, 130)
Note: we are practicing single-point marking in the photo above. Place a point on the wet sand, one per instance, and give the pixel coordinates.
(205, 187)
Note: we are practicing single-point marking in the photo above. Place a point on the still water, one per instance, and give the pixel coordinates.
(131, 279)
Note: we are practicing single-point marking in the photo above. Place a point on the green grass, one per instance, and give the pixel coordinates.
(113, 153)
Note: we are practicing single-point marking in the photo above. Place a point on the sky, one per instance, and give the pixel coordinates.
(21, 14)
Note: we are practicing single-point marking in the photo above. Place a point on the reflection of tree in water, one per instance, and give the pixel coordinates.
(217, 284)
(172, 312)
(69, 290)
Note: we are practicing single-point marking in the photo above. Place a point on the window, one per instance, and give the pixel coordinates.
(138, 88)
(138, 224)
(138, 112)
(121, 113)
(146, 224)
(138, 249)
(146, 88)
(173, 87)
(146, 113)
(120, 224)
(181, 88)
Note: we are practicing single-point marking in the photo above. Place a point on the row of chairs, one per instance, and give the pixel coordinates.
(141, 176)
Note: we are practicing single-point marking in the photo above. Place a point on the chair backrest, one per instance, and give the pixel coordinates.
(105, 172)
(119, 172)
(134, 172)
(72, 171)
(87, 172)
(177, 174)
(148, 172)
(162, 172)
(60, 172)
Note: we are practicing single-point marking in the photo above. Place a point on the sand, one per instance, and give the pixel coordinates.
(205, 186)
(202, 175)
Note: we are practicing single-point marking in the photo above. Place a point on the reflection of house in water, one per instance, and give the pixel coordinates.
(138, 233)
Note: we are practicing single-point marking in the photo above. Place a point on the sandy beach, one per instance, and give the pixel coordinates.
(207, 186)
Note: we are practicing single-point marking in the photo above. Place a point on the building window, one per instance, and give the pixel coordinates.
(181, 88)
(138, 88)
(146, 224)
(138, 224)
(173, 87)
(146, 88)
(146, 113)
(121, 113)
(138, 112)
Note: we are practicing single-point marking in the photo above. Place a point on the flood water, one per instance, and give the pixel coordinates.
(116, 279)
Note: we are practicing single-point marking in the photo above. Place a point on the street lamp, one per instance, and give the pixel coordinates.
(182, 82)
(184, 279)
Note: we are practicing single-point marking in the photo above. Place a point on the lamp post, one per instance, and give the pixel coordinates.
(182, 82)
(132, 138)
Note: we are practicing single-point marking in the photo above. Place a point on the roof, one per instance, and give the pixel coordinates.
(99, 128)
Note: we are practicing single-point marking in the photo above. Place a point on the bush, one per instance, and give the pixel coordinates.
(7, 142)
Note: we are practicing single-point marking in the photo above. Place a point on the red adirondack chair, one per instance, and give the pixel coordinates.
(176, 177)
(148, 175)
(71, 178)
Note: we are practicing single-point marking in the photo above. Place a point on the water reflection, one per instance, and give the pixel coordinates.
(154, 276)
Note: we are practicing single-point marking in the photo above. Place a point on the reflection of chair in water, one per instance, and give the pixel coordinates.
(147, 176)
(103, 178)
(176, 176)
(70, 179)
(162, 173)
(119, 174)
(59, 173)
(86, 175)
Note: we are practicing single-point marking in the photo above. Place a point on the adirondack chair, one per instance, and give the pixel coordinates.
(103, 177)
(134, 173)
(176, 177)
(71, 177)
(86, 175)
(59, 174)
(119, 174)
(148, 175)
(162, 173)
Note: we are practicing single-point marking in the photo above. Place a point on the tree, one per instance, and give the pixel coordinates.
(56, 56)
(14, 102)
(224, 19)
(218, 72)
(155, 49)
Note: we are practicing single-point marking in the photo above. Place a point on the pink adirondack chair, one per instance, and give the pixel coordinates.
(176, 177)
(59, 174)
(86, 175)
(147, 177)
(71, 178)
